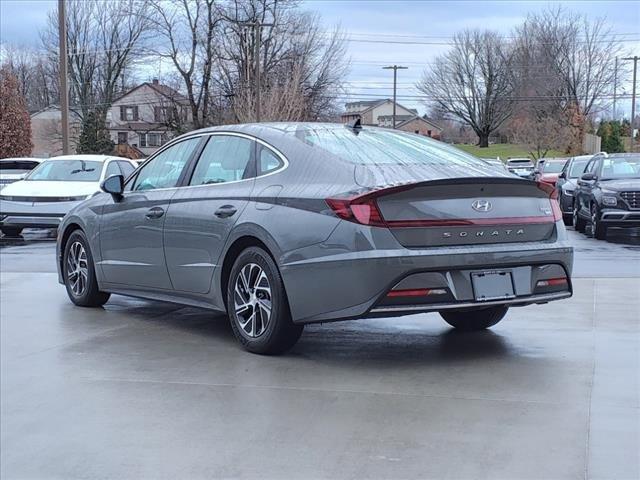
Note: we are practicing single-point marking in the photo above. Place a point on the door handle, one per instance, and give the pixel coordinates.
(226, 211)
(155, 212)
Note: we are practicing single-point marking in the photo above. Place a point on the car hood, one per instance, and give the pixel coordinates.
(377, 175)
(27, 188)
(621, 184)
(11, 176)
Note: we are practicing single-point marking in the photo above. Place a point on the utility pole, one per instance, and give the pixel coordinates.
(64, 89)
(257, 26)
(633, 99)
(615, 89)
(395, 69)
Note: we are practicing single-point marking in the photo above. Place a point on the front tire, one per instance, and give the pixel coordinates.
(474, 320)
(11, 231)
(79, 273)
(578, 223)
(599, 230)
(257, 305)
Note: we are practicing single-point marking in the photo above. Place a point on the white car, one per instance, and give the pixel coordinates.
(14, 169)
(50, 190)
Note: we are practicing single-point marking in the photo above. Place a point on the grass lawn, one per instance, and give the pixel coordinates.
(502, 150)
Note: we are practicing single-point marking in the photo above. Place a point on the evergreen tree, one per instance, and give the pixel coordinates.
(94, 137)
(611, 134)
(15, 122)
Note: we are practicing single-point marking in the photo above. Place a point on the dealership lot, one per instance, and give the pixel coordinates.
(146, 389)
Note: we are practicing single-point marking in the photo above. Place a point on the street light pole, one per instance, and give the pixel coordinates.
(64, 89)
(395, 69)
(633, 98)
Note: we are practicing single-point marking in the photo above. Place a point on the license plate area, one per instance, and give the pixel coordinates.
(492, 285)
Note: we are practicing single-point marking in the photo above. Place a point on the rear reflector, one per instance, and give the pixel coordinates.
(418, 292)
(552, 282)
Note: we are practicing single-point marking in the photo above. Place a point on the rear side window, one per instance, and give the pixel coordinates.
(225, 158)
(268, 161)
(112, 169)
(126, 168)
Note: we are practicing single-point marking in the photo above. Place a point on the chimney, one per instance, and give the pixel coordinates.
(155, 81)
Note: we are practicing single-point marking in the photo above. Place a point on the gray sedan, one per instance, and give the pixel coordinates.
(280, 225)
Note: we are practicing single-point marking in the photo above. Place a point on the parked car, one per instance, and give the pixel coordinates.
(549, 169)
(567, 183)
(281, 225)
(522, 167)
(14, 169)
(53, 188)
(495, 162)
(608, 194)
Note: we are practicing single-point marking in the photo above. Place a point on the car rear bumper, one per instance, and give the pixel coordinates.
(356, 284)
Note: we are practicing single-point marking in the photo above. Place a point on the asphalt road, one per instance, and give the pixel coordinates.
(150, 390)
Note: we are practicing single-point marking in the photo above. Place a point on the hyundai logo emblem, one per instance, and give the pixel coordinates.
(481, 205)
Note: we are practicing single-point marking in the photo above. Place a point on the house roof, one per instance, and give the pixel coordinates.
(140, 126)
(422, 119)
(163, 90)
(373, 104)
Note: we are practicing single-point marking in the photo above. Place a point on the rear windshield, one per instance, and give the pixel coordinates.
(67, 171)
(577, 168)
(519, 163)
(621, 167)
(380, 147)
(553, 167)
(17, 166)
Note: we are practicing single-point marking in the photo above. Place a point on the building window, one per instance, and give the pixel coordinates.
(152, 139)
(429, 133)
(128, 113)
(123, 137)
(417, 131)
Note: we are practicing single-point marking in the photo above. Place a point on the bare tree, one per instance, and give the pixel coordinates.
(472, 82)
(541, 132)
(188, 31)
(566, 65)
(104, 40)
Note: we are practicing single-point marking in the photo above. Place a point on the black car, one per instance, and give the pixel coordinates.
(608, 193)
(567, 183)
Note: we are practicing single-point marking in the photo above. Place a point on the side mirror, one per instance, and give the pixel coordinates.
(563, 175)
(588, 177)
(536, 172)
(113, 185)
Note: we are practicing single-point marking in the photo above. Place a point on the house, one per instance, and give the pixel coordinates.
(146, 117)
(379, 113)
(46, 132)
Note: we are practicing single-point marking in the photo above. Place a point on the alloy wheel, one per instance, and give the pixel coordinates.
(252, 300)
(77, 269)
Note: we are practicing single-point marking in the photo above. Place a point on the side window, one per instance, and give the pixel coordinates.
(163, 170)
(225, 158)
(589, 167)
(112, 169)
(268, 161)
(126, 167)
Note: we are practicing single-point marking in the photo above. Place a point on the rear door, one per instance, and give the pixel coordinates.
(131, 239)
(203, 212)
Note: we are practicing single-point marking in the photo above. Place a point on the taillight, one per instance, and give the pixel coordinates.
(360, 209)
(553, 199)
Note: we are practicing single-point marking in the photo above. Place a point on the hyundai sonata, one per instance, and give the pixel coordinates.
(281, 225)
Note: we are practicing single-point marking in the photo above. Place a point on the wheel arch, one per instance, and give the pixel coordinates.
(64, 238)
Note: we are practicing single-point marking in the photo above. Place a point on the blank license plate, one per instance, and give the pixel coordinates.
(492, 285)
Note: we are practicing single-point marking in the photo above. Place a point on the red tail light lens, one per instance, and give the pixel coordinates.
(553, 199)
(362, 210)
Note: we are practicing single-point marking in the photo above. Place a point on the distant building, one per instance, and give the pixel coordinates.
(46, 132)
(379, 113)
(145, 118)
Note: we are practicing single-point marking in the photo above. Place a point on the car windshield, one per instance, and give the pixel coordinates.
(621, 167)
(67, 171)
(552, 167)
(577, 168)
(380, 147)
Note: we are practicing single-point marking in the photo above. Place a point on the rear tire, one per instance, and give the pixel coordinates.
(11, 231)
(474, 320)
(599, 230)
(79, 273)
(257, 305)
(578, 223)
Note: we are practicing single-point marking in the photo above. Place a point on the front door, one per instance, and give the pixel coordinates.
(131, 228)
(202, 214)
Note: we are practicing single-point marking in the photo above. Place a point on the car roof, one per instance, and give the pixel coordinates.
(89, 157)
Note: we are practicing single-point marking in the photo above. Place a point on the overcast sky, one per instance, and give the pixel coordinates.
(408, 33)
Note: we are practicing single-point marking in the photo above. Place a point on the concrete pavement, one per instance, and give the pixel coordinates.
(149, 390)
